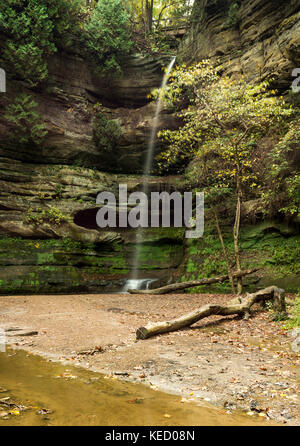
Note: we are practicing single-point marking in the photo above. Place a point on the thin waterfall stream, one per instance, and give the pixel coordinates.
(152, 142)
(148, 165)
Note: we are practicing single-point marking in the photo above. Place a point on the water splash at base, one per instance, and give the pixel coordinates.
(137, 284)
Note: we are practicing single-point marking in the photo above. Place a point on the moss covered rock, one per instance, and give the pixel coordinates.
(271, 246)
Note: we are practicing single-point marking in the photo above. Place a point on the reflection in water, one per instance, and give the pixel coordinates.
(77, 397)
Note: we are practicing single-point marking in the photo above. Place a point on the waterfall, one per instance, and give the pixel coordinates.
(137, 284)
(150, 154)
(151, 146)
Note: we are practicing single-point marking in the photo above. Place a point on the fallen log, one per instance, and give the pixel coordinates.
(182, 286)
(238, 305)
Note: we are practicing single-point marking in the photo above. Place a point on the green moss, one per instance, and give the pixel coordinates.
(153, 257)
(44, 258)
(57, 265)
(273, 247)
(175, 235)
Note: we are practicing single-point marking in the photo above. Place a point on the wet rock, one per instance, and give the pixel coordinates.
(286, 414)
(295, 345)
(254, 406)
(229, 406)
(118, 373)
(44, 411)
(24, 333)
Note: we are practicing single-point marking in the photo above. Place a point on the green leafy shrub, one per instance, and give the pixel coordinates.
(49, 215)
(223, 119)
(33, 30)
(106, 34)
(28, 127)
(294, 316)
(106, 132)
(232, 19)
(283, 193)
(59, 190)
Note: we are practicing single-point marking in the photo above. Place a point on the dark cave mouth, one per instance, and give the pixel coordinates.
(86, 218)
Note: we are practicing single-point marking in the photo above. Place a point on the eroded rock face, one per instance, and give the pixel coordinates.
(66, 107)
(270, 246)
(261, 41)
(44, 248)
(140, 74)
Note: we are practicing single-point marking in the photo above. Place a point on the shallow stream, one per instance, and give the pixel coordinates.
(56, 394)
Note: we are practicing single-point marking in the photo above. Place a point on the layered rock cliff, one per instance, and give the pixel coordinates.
(66, 102)
(48, 238)
(257, 38)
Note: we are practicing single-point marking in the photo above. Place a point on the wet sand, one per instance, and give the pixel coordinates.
(227, 362)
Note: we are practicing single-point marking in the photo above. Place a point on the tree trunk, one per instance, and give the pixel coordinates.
(237, 305)
(149, 15)
(236, 231)
(182, 286)
(225, 252)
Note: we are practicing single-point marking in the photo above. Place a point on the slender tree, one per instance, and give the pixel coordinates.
(226, 118)
(149, 15)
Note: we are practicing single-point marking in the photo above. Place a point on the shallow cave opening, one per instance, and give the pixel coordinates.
(86, 218)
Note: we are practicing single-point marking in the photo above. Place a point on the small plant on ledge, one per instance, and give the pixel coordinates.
(106, 132)
(233, 17)
(28, 129)
(48, 215)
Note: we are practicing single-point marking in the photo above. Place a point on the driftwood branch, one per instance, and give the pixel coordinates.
(182, 286)
(239, 305)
